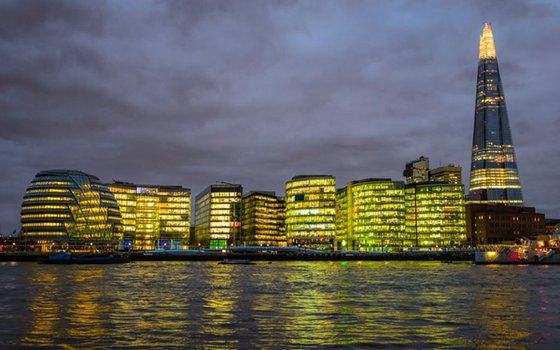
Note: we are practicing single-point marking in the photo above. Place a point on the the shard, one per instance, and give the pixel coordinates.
(494, 177)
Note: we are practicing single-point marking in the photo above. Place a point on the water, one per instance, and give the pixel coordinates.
(280, 305)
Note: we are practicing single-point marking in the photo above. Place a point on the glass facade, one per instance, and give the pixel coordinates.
(342, 237)
(417, 170)
(371, 216)
(310, 211)
(282, 218)
(69, 209)
(435, 215)
(494, 177)
(263, 220)
(218, 216)
(449, 174)
(153, 216)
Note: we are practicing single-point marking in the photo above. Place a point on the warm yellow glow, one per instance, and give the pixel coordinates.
(435, 215)
(487, 47)
(218, 216)
(69, 206)
(263, 220)
(494, 178)
(153, 213)
(370, 215)
(310, 210)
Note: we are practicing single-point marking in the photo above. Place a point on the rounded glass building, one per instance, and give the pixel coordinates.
(69, 209)
(310, 211)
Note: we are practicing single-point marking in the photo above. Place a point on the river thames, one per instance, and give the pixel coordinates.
(279, 305)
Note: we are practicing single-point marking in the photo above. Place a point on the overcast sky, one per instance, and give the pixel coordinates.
(255, 92)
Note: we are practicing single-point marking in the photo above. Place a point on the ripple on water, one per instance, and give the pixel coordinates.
(278, 305)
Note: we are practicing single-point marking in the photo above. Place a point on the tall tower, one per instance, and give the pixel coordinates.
(494, 177)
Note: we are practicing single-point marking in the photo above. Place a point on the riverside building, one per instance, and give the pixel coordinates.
(498, 223)
(310, 211)
(552, 226)
(153, 216)
(343, 240)
(417, 170)
(449, 174)
(494, 178)
(218, 216)
(69, 209)
(371, 216)
(263, 219)
(435, 215)
(282, 217)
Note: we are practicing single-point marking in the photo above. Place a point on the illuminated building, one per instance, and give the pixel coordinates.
(498, 223)
(435, 215)
(69, 209)
(370, 215)
(310, 211)
(552, 226)
(282, 217)
(263, 220)
(450, 174)
(218, 216)
(494, 178)
(153, 216)
(342, 236)
(417, 170)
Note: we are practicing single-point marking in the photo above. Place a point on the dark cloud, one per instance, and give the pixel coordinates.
(32, 19)
(193, 92)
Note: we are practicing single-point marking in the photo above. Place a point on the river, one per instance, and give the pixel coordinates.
(203, 305)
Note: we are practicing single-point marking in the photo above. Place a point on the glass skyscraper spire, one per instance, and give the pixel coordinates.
(494, 178)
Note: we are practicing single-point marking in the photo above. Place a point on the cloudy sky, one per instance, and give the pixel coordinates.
(255, 92)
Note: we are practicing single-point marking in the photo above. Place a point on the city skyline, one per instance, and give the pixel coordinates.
(255, 93)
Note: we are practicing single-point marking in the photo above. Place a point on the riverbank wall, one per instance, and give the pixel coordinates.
(445, 256)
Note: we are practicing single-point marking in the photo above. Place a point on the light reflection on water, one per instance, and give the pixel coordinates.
(279, 305)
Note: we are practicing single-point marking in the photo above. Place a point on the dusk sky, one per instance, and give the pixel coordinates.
(254, 92)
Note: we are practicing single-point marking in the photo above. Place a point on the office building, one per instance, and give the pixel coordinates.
(343, 239)
(552, 226)
(435, 215)
(450, 174)
(417, 170)
(282, 218)
(498, 223)
(310, 211)
(263, 220)
(69, 209)
(218, 216)
(371, 216)
(494, 178)
(153, 216)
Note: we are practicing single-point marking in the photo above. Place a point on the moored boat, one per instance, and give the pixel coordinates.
(69, 258)
(236, 262)
(529, 252)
